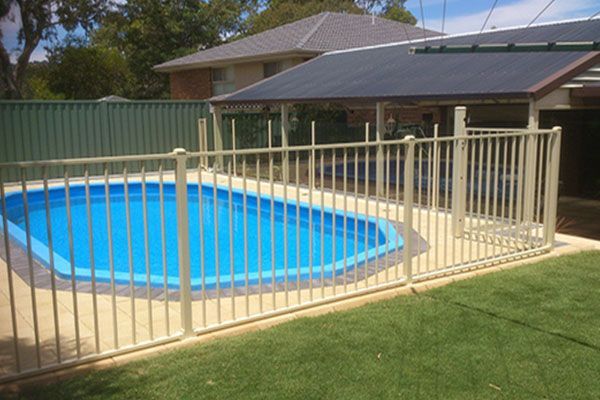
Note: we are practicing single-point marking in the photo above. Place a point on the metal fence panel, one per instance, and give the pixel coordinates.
(156, 247)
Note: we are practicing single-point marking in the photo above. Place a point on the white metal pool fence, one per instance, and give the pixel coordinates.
(458, 202)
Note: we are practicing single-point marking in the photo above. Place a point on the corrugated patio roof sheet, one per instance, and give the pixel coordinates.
(569, 31)
(390, 72)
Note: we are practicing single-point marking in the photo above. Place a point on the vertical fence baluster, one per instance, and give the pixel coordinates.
(51, 264)
(345, 221)
(259, 237)
(147, 251)
(71, 262)
(397, 212)
(90, 225)
(311, 187)
(111, 261)
(231, 245)
(495, 201)
(366, 180)
(130, 255)
(163, 245)
(34, 310)
(356, 218)
(387, 212)
(285, 237)
(216, 240)
(9, 272)
(419, 150)
(201, 240)
(272, 219)
(322, 172)
(245, 211)
(333, 222)
(298, 286)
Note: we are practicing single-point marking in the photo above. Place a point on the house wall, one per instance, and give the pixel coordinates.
(197, 83)
(191, 84)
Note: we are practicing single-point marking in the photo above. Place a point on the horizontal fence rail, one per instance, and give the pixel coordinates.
(111, 254)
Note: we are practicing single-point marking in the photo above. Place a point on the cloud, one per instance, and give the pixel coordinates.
(520, 12)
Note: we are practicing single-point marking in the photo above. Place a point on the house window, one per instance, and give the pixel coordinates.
(222, 80)
(272, 68)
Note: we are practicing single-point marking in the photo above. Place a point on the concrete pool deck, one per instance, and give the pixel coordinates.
(433, 227)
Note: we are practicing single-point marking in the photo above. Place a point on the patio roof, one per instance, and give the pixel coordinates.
(391, 73)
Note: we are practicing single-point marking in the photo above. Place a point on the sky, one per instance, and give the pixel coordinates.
(461, 16)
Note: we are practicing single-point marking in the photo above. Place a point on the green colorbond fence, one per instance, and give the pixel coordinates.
(42, 130)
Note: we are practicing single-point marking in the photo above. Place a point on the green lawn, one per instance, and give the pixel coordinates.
(531, 332)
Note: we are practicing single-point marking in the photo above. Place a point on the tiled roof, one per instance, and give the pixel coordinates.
(313, 35)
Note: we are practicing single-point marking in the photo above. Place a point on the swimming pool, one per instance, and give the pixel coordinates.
(127, 260)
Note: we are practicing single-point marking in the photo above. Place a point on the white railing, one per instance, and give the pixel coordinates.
(121, 253)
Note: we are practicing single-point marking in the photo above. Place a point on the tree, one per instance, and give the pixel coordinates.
(150, 32)
(279, 12)
(77, 71)
(395, 10)
(39, 20)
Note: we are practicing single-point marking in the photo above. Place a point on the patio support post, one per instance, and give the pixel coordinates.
(183, 242)
(530, 163)
(218, 133)
(459, 172)
(285, 131)
(380, 132)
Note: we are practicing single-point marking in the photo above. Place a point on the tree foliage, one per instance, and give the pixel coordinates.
(39, 21)
(279, 12)
(395, 10)
(78, 71)
(149, 32)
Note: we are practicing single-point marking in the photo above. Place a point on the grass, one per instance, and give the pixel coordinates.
(531, 332)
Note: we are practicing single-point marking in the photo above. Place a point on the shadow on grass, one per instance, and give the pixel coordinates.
(511, 320)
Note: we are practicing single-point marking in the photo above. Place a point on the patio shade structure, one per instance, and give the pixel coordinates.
(516, 64)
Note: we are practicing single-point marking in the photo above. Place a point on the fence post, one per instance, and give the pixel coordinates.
(459, 172)
(183, 241)
(530, 164)
(552, 175)
(409, 180)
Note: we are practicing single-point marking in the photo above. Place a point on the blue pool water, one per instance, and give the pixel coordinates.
(121, 253)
